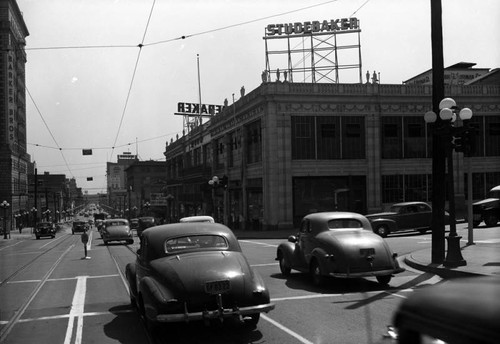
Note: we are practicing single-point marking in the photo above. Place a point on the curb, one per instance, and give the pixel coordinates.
(438, 269)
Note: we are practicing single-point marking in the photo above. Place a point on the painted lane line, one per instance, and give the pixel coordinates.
(6, 329)
(65, 316)
(52, 241)
(3, 248)
(286, 329)
(63, 279)
(258, 243)
(269, 264)
(76, 311)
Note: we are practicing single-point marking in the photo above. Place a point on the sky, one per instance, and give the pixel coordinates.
(90, 86)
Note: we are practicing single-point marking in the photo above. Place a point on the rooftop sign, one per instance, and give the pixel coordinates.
(198, 109)
(326, 26)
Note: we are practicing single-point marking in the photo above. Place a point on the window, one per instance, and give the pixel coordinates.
(254, 143)
(328, 143)
(353, 137)
(414, 137)
(303, 137)
(492, 135)
(391, 138)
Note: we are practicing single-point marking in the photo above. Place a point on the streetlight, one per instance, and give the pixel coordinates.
(5, 205)
(33, 212)
(214, 182)
(456, 137)
(147, 205)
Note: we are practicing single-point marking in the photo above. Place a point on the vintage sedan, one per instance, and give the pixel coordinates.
(403, 216)
(45, 229)
(198, 218)
(195, 271)
(79, 226)
(338, 244)
(116, 230)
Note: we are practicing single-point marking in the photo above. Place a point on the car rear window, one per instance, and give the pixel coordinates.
(344, 223)
(116, 223)
(195, 242)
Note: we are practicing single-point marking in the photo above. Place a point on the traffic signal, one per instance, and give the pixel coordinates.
(468, 140)
(224, 181)
(458, 143)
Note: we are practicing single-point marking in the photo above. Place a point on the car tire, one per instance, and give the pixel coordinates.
(130, 242)
(37, 237)
(72, 232)
(105, 242)
(285, 269)
(382, 230)
(252, 320)
(316, 274)
(384, 280)
(490, 219)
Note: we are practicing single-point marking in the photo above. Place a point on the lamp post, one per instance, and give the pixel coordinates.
(147, 205)
(456, 138)
(214, 183)
(33, 212)
(5, 205)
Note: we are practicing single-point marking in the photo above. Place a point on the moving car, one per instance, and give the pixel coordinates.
(194, 271)
(144, 223)
(460, 311)
(338, 244)
(44, 229)
(199, 218)
(403, 216)
(487, 210)
(116, 230)
(80, 226)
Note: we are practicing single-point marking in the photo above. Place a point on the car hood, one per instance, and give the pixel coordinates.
(177, 272)
(388, 213)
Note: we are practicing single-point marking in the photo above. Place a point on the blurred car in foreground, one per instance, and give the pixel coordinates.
(80, 226)
(45, 229)
(144, 223)
(116, 230)
(338, 244)
(487, 210)
(459, 311)
(403, 216)
(195, 271)
(199, 218)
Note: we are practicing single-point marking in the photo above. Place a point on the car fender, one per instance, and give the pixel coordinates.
(322, 257)
(153, 295)
(286, 249)
(130, 274)
(382, 221)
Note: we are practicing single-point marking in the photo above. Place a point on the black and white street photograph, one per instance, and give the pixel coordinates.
(249, 172)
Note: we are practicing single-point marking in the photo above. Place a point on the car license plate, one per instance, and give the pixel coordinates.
(217, 287)
(367, 251)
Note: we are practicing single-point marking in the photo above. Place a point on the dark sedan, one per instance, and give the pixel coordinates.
(195, 271)
(80, 226)
(403, 216)
(45, 229)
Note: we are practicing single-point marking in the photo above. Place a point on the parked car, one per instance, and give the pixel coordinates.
(199, 218)
(403, 216)
(116, 230)
(462, 311)
(80, 226)
(194, 271)
(144, 223)
(338, 244)
(44, 229)
(487, 210)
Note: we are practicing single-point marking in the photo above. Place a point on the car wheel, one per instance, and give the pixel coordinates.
(105, 242)
(37, 237)
(382, 230)
(316, 274)
(252, 320)
(285, 269)
(72, 232)
(384, 280)
(130, 242)
(491, 219)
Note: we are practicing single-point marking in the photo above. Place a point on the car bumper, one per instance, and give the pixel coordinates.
(366, 273)
(215, 314)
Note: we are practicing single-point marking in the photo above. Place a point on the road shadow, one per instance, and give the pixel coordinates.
(126, 327)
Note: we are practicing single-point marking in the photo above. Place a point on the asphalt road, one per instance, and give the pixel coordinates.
(50, 294)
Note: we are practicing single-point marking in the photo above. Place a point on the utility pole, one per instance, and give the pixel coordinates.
(438, 146)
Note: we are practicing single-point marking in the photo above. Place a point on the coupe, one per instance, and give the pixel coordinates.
(338, 244)
(194, 271)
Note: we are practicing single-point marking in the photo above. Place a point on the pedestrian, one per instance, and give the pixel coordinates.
(85, 240)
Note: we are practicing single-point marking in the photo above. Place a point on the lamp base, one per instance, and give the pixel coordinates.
(454, 254)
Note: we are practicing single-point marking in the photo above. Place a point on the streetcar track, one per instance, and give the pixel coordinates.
(29, 263)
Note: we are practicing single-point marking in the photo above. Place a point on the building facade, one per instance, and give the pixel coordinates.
(117, 180)
(288, 149)
(13, 156)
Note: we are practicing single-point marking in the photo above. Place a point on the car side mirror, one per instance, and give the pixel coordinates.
(292, 238)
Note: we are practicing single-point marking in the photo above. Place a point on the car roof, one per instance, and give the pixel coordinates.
(156, 236)
(115, 220)
(401, 204)
(320, 220)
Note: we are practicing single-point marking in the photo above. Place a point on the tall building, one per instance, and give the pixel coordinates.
(117, 180)
(13, 156)
(288, 149)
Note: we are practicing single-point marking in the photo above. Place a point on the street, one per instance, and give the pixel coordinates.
(50, 293)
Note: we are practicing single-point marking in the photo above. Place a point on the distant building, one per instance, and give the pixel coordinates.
(289, 149)
(146, 182)
(13, 156)
(117, 181)
(460, 73)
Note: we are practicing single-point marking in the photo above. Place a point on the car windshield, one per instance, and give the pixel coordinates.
(195, 242)
(344, 223)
